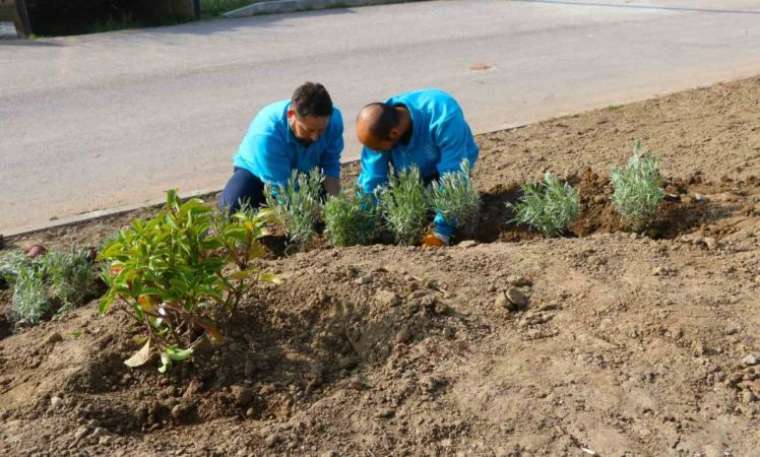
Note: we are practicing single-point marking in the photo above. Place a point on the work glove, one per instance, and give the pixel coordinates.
(435, 240)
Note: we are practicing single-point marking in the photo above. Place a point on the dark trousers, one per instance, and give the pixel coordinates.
(243, 188)
(428, 180)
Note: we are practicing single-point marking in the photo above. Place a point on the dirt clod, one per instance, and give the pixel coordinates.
(517, 298)
(387, 298)
(519, 280)
(749, 360)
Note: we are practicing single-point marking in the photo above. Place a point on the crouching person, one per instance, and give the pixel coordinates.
(297, 134)
(425, 129)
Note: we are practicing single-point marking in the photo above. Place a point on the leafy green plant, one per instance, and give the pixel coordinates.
(547, 206)
(405, 205)
(352, 220)
(178, 272)
(455, 197)
(53, 283)
(297, 206)
(637, 188)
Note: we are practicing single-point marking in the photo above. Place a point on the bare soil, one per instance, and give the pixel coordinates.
(629, 345)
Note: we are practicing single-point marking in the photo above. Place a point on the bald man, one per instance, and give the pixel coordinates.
(424, 128)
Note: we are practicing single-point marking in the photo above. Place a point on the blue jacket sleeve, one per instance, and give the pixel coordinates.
(454, 139)
(330, 162)
(270, 158)
(374, 170)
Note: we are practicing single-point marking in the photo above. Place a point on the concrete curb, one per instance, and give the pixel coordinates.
(101, 214)
(292, 6)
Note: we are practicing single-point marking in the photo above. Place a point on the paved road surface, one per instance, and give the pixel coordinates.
(102, 121)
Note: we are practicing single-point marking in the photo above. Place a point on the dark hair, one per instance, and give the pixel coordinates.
(387, 120)
(312, 99)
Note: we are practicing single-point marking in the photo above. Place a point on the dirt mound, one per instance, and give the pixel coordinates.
(622, 344)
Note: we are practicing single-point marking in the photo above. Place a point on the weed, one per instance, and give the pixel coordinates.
(297, 206)
(637, 189)
(177, 272)
(548, 206)
(455, 197)
(352, 220)
(405, 205)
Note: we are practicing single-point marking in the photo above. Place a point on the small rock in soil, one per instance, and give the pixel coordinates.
(55, 401)
(36, 250)
(735, 378)
(387, 298)
(54, 338)
(330, 454)
(748, 396)
(501, 300)
(250, 412)
(403, 336)
(243, 395)
(519, 280)
(105, 440)
(81, 432)
(385, 413)
(468, 244)
(711, 243)
(272, 439)
(356, 383)
(177, 411)
(518, 299)
(750, 360)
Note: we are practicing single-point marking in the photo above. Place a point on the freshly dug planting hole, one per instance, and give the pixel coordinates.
(679, 213)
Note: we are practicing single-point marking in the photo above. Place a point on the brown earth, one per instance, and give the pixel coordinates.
(629, 345)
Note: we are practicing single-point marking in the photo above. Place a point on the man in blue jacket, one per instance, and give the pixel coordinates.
(297, 134)
(423, 128)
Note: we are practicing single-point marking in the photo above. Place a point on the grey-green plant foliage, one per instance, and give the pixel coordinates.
(637, 188)
(297, 205)
(55, 282)
(455, 197)
(352, 220)
(548, 206)
(405, 204)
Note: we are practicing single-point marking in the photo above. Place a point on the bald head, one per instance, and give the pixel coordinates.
(377, 126)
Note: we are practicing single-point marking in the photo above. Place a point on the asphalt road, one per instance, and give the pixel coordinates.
(114, 119)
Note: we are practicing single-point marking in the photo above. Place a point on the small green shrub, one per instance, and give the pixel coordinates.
(405, 204)
(455, 197)
(53, 283)
(637, 189)
(352, 220)
(549, 206)
(297, 206)
(178, 272)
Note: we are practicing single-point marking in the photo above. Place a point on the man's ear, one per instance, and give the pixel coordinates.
(394, 134)
(291, 113)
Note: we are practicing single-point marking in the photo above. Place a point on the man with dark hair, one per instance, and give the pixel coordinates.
(425, 129)
(297, 134)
